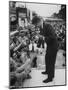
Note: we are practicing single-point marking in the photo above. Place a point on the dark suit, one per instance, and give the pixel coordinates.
(50, 57)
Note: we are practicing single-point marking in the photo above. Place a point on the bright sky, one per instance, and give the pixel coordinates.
(45, 10)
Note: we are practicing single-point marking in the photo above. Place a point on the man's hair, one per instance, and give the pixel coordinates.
(36, 20)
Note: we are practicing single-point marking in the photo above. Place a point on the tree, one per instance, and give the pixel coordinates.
(62, 12)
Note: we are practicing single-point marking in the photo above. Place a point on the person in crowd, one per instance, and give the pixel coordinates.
(16, 78)
(47, 32)
(20, 63)
(19, 69)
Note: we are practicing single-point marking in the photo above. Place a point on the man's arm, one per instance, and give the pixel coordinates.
(23, 67)
(16, 48)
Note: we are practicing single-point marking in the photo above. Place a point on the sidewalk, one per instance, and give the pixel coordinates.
(37, 78)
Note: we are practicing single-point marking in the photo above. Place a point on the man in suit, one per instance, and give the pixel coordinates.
(47, 31)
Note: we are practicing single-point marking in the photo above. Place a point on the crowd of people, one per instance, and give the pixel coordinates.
(60, 29)
(21, 54)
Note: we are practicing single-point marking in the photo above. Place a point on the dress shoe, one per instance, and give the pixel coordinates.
(44, 72)
(47, 80)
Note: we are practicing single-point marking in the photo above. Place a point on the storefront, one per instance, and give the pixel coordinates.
(22, 16)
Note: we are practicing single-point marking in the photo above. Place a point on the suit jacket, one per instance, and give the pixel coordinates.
(49, 33)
